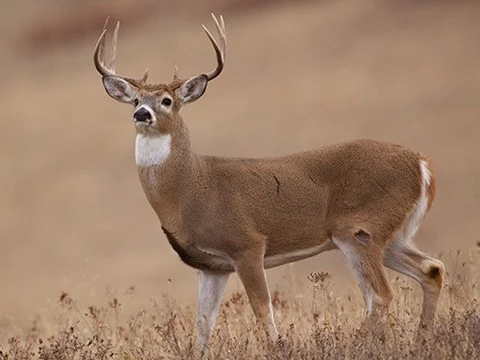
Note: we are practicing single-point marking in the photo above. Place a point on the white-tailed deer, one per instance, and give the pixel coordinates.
(222, 215)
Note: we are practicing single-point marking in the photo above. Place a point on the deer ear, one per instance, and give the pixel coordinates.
(119, 89)
(193, 88)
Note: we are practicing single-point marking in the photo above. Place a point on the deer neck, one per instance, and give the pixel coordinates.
(166, 165)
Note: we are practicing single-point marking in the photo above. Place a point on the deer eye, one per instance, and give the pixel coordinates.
(167, 102)
(135, 102)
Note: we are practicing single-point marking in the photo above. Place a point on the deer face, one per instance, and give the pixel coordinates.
(155, 107)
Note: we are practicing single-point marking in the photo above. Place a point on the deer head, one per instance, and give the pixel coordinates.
(156, 106)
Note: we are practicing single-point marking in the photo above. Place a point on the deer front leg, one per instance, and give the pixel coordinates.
(211, 289)
(252, 274)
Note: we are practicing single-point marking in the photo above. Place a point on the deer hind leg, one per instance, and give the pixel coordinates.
(366, 262)
(252, 275)
(429, 272)
(211, 289)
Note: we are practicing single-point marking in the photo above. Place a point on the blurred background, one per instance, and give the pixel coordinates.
(299, 75)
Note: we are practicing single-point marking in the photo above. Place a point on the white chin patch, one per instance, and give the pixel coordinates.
(152, 149)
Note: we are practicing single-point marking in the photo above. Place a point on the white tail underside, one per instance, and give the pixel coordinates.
(418, 212)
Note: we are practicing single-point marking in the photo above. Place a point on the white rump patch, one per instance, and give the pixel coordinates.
(416, 216)
(152, 149)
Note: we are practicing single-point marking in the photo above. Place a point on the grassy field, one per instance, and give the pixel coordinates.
(318, 323)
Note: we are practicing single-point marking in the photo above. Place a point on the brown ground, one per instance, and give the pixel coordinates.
(299, 75)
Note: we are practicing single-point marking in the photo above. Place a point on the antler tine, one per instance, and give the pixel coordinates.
(219, 51)
(102, 43)
(113, 54)
(175, 72)
(145, 77)
(222, 34)
(222, 22)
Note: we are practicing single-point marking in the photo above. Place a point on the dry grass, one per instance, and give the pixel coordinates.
(322, 324)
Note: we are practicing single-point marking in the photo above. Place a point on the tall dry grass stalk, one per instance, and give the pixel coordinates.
(322, 325)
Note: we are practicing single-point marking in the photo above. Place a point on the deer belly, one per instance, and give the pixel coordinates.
(295, 255)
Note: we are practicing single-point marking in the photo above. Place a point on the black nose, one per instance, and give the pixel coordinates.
(142, 114)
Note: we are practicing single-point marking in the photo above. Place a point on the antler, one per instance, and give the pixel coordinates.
(106, 70)
(99, 53)
(219, 50)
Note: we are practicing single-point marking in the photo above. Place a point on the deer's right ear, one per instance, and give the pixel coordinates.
(119, 89)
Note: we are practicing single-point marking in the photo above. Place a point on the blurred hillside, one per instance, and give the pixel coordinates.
(299, 75)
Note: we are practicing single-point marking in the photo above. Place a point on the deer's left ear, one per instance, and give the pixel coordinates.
(192, 89)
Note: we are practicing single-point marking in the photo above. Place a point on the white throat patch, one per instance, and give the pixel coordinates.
(152, 150)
